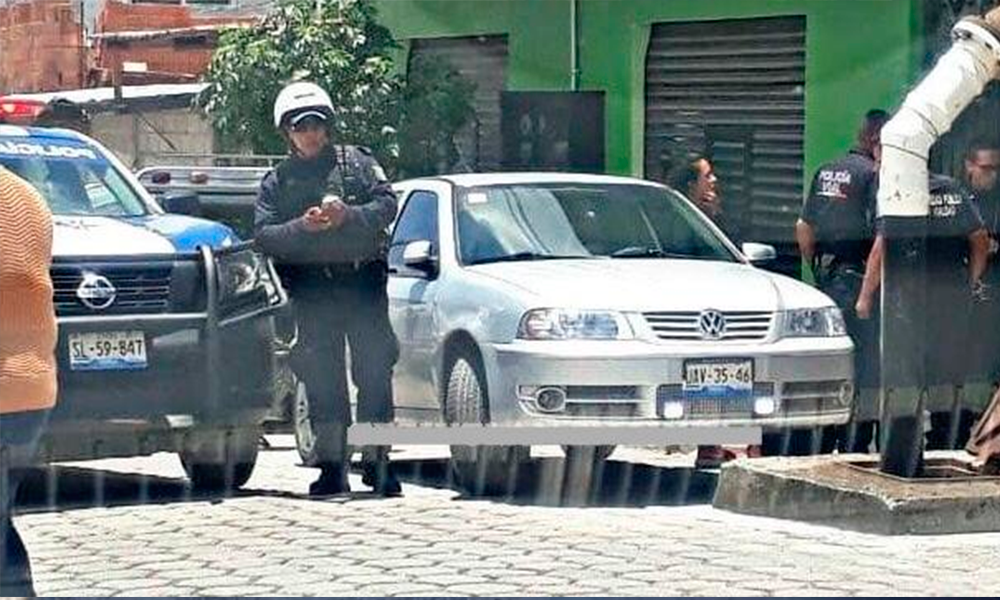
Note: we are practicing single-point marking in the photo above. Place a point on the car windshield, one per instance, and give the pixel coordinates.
(517, 222)
(74, 178)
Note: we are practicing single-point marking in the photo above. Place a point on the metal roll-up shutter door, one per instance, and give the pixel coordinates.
(482, 60)
(734, 89)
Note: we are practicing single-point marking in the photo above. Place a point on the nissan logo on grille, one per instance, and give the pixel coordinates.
(711, 324)
(96, 291)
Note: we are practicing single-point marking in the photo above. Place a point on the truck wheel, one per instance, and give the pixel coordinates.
(305, 437)
(478, 470)
(220, 459)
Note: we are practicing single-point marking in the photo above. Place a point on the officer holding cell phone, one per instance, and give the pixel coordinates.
(323, 215)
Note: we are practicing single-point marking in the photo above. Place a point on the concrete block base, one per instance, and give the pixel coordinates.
(847, 491)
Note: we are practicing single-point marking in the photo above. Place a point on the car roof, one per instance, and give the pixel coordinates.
(42, 133)
(488, 179)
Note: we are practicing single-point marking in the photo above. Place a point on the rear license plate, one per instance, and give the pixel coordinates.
(107, 351)
(724, 378)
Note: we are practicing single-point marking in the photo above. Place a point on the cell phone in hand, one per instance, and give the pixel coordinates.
(328, 201)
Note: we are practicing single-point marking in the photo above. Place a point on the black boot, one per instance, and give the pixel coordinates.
(331, 482)
(376, 472)
(334, 456)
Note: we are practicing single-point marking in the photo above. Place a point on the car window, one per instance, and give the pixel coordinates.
(505, 222)
(73, 178)
(418, 221)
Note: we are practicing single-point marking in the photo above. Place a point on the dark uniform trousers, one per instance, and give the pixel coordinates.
(333, 305)
(843, 284)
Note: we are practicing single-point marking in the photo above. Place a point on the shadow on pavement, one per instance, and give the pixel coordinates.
(60, 488)
(540, 482)
(543, 481)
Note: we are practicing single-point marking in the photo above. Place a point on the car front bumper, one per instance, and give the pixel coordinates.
(808, 382)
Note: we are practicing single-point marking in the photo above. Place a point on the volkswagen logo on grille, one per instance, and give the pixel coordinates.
(96, 291)
(711, 324)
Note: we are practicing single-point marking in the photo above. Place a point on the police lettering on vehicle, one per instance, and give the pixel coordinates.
(47, 151)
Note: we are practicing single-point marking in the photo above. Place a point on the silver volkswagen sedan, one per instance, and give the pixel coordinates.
(566, 300)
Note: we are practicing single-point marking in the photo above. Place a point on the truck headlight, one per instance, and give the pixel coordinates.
(239, 273)
(813, 322)
(568, 324)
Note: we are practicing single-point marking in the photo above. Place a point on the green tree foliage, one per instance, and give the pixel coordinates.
(437, 105)
(342, 47)
(338, 45)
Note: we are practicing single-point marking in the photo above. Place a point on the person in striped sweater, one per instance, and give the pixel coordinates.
(27, 359)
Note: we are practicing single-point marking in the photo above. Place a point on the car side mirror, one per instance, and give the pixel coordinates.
(419, 256)
(181, 203)
(759, 253)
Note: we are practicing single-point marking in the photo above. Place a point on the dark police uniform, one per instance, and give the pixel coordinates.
(841, 209)
(986, 314)
(337, 281)
(953, 216)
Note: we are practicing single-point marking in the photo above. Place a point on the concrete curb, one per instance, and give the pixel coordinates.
(827, 490)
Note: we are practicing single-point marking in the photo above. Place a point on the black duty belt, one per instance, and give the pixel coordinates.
(333, 271)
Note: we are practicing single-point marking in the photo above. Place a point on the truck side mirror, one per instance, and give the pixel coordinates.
(181, 203)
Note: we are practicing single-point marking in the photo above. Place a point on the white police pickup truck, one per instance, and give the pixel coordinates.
(166, 322)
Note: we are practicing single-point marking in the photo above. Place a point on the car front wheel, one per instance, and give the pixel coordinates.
(479, 470)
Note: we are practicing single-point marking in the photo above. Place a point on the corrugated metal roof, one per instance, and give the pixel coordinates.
(152, 34)
(107, 94)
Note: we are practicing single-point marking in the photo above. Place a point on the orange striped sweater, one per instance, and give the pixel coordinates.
(27, 317)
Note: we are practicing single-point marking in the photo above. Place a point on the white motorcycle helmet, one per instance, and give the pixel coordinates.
(300, 100)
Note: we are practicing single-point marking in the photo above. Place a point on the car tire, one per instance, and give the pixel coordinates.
(305, 436)
(478, 470)
(220, 459)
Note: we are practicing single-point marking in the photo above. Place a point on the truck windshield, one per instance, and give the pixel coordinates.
(74, 178)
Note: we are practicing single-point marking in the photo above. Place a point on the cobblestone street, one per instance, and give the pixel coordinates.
(147, 536)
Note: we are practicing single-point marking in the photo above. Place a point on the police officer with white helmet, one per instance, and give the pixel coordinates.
(322, 215)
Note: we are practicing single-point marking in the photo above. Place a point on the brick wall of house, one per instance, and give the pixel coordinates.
(119, 16)
(41, 43)
(40, 46)
(187, 57)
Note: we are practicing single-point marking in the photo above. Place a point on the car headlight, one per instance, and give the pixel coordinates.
(239, 273)
(813, 322)
(568, 324)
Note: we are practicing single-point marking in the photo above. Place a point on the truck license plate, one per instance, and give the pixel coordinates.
(718, 378)
(107, 351)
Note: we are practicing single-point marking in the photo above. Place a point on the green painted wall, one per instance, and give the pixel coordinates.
(860, 54)
(538, 30)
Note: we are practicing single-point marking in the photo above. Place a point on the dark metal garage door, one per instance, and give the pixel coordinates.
(483, 61)
(736, 90)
